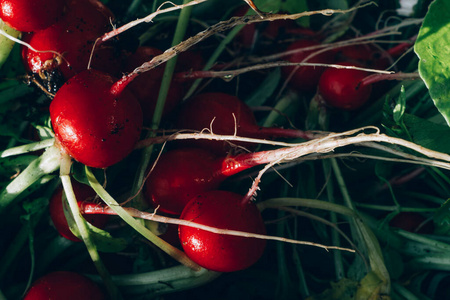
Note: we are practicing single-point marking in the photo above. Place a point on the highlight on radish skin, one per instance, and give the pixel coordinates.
(216, 252)
(26, 15)
(91, 123)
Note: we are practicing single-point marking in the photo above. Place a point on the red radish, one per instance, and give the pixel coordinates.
(181, 174)
(225, 114)
(26, 15)
(64, 285)
(342, 88)
(306, 78)
(146, 86)
(94, 122)
(73, 37)
(363, 54)
(216, 252)
(83, 193)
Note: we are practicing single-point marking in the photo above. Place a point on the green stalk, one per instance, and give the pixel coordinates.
(160, 282)
(338, 262)
(47, 163)
(180, 32)
(138, 226)
(394, 208)
(283, 281)
(83, 228)
(27, 148)
(310, 203)
(367, 236)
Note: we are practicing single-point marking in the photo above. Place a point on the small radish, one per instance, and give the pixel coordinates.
(342, 88)
(83, 193)
(226, 115)
(218, 252)
(94, 122)
(64, 285)
(363, 54)
(306, 78)
(26, 15)
(146, 86)
(181, 174)
(73, 37)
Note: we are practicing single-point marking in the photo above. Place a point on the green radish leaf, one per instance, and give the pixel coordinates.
(428, 134)
(434, 55)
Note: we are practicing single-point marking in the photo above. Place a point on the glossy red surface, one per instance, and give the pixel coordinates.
(26, 15)
(218, 252)
(94, 126)
(64, 285)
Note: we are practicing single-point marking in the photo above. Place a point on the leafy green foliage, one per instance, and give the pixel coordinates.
(434, 64)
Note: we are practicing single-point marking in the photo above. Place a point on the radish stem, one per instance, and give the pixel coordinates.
(27, 148)
(119, 210)
(338, 262)
(83, 229)
(372, 246)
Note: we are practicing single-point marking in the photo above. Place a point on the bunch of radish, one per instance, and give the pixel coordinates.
(103, 96)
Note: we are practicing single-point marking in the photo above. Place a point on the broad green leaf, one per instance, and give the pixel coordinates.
(6, 44)
(428, 134)
(432, 48)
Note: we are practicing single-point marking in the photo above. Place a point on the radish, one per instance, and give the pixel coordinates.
(83, 193)
(226, 115)
(181, 174)
(25, 15)
(73, 37)
(306, 78)
(94, 122)
(363, 54)
(64, 285)
(146, 86)
(225, 210)
(342, 88)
